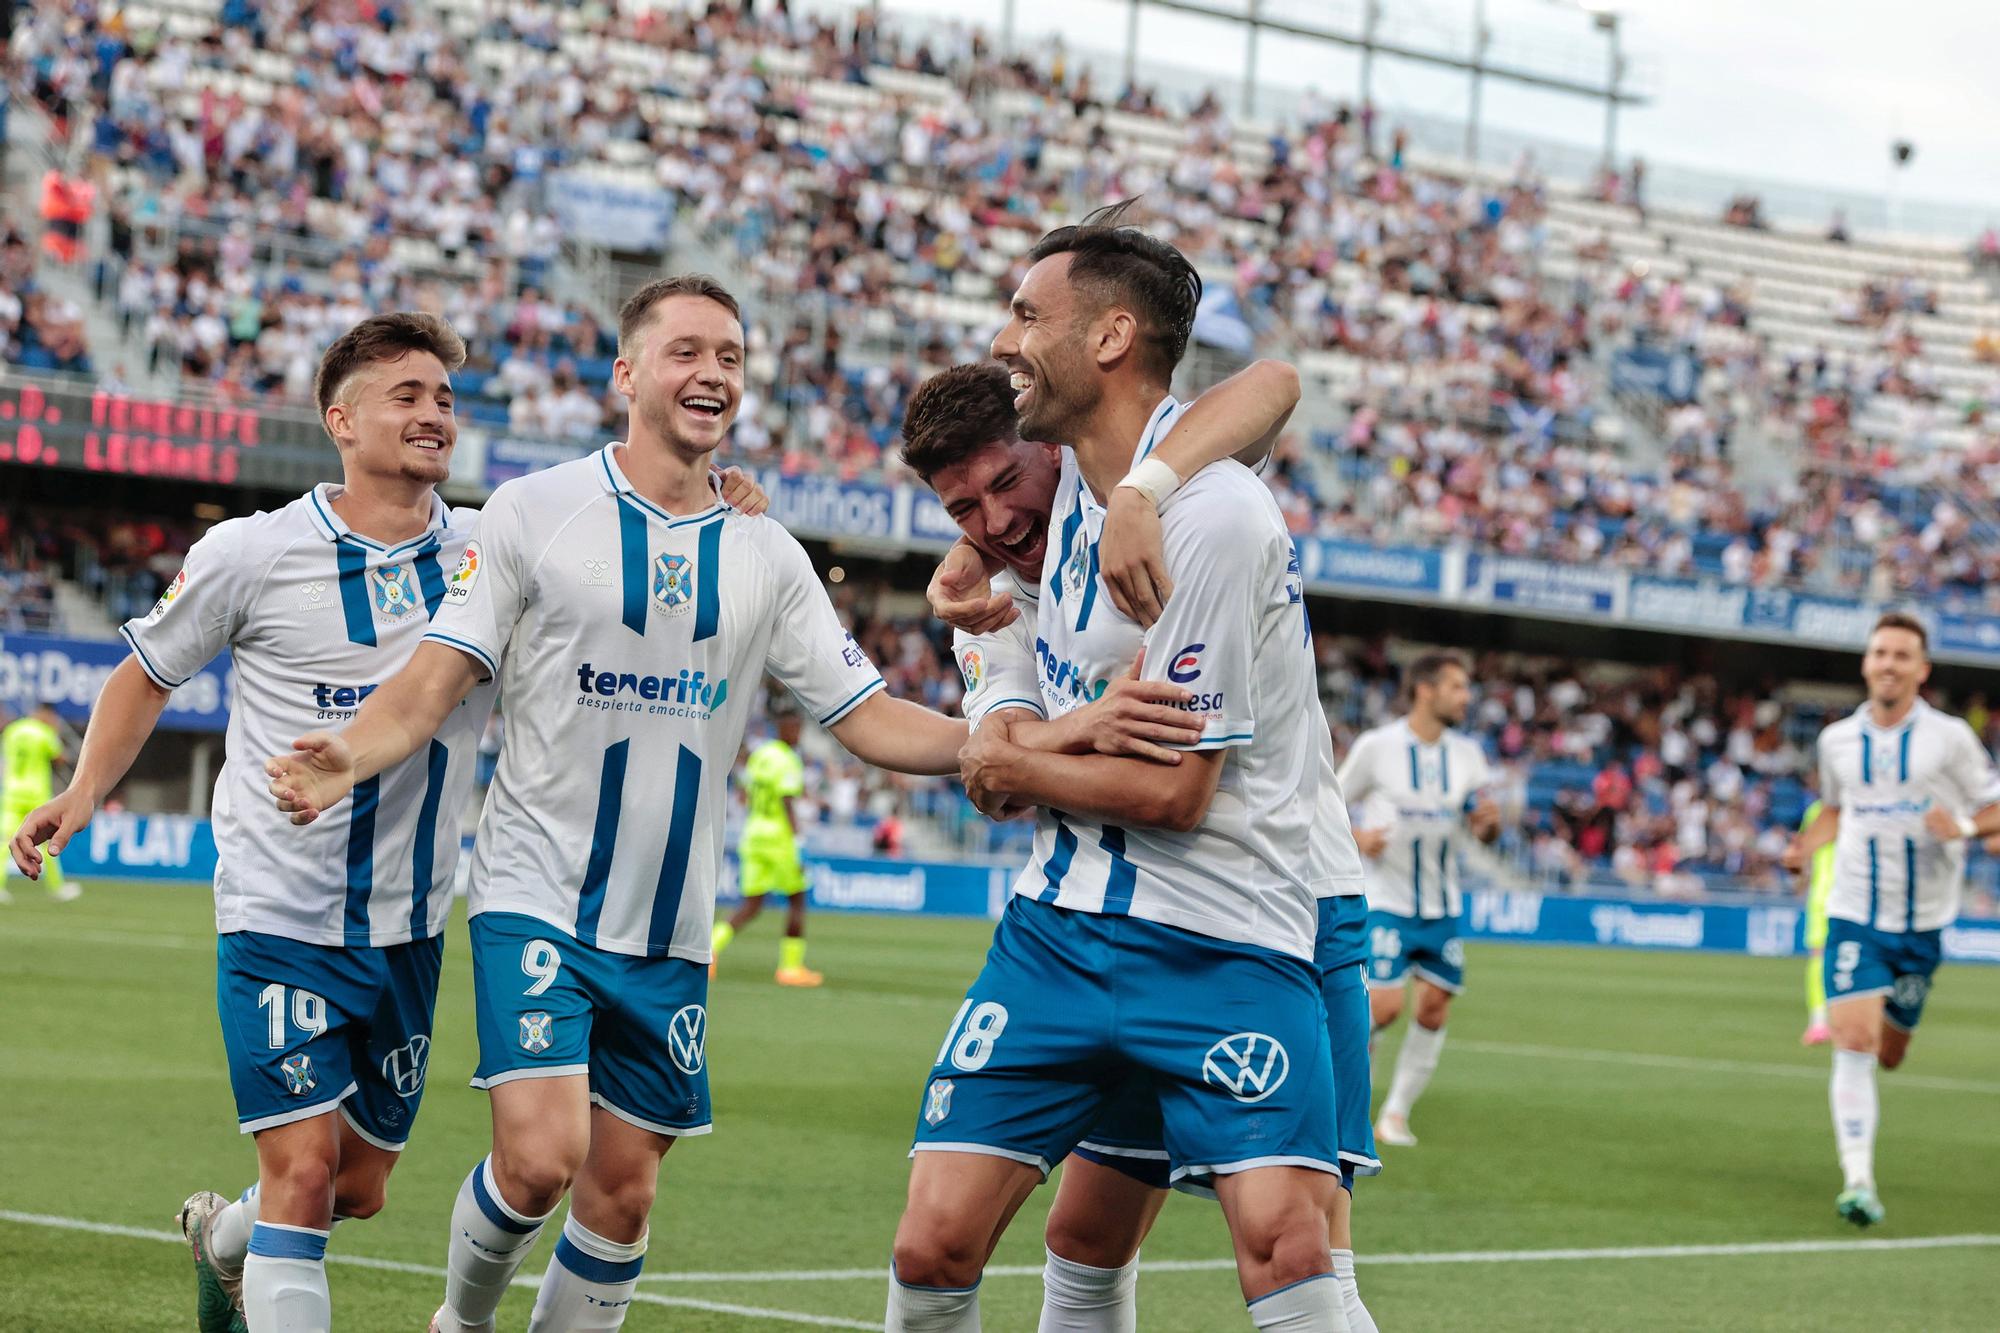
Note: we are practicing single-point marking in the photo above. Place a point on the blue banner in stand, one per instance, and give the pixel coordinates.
(884, 884)
(613, 213)
(508, 456)
(1539, 585)
(1330, 563)
(118, 845)
(70, 672)
(828, 507)
(1654, 370)
(1971, 634)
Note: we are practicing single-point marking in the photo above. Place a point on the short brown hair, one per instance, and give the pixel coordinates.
(1904, 620)
(1429, 668)
(637, 311)
(383, 338)
(955, 414)
(1122, 265)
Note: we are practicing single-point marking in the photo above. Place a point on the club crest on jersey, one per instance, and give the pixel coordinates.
(686, 1035)
(537, 1031)
(937, 1101)
(395, 591)
(467, 574)
(1076, 571)
(403, 1068)
(1249, 1066)
(972, 665)
(673, 584)
(299, 1076)
(167, 597)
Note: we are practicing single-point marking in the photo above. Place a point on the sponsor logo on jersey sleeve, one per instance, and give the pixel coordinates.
(852, 654)
(465, 575)
(1186, 664)
(972, 665)
(167, 597)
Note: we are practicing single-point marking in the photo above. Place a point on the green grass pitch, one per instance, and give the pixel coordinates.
(1587, 1100)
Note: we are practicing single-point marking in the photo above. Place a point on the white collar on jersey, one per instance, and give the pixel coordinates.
(1867, 715)
(319, 504)
(613, 479)
(1163, 419)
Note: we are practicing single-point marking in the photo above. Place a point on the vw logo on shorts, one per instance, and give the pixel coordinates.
(1248, 1066)
(685, 1036)
(403, 1068)
(1911, 990)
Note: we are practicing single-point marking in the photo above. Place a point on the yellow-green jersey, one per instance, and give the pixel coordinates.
(773, 773)
(31, 748)
(1819, 883)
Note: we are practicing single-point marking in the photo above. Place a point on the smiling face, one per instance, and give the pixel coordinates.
(1000, 497)
(685, 379)
(1894, 666)
(1045, 347)
(393, 419)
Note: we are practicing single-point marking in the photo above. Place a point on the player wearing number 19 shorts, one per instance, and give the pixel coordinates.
(329, 938)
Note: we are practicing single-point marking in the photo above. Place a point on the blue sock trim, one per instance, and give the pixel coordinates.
(942, 1291)
(495, 1212)
(1316, 1277)
(590, 1268)
(274, 1240)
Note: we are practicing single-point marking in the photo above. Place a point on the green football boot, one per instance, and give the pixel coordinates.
(1859, 1206)
(218, 1304)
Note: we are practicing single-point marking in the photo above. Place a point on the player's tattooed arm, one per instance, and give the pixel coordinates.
(407, 711)
(127, 710)
(1240, 418)
(1001, 775)
(961, 595)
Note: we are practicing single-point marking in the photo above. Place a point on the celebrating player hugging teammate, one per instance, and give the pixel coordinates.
(327, 966)
(1157, 956)
(1901, 787)
(1419, 784)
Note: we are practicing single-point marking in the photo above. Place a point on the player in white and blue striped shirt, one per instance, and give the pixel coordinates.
(330, 937)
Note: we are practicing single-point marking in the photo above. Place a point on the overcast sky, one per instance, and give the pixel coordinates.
(1809, 92)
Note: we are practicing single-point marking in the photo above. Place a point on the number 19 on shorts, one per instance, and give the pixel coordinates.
(969, 1043)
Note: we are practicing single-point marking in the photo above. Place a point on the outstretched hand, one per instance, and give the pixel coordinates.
(313, 778)
(53, 822)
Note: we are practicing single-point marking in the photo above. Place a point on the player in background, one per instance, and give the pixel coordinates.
(628, 615)
(1194, 909)
(767, 855)
(329, 940)
(1819, 883)
(1417, 785)
(1901, 788)
(31, 747)
(961, 438)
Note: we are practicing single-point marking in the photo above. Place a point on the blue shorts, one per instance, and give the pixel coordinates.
(1074, 1011)
(1426, 947)
(1860, 960)
(313, 1027)
(548, 1004)
(1128, 1136)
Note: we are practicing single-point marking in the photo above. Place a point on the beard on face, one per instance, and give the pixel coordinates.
(660, 416)
(1063, 398)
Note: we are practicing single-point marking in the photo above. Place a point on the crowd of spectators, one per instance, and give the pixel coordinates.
(39, 331)
(123, 560)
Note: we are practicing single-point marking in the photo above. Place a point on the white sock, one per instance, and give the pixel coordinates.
(931, 1309)
(229, 1234)
(1855, 1113)
(284, 1280)
(1415, 1064)
(1077, 1298)
(590, 1282)
(489, 1241)
(1310, 1305)
(1358, 1318)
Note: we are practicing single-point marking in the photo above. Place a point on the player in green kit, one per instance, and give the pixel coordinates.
(768, 857)
(32, 747)
(1819, 882)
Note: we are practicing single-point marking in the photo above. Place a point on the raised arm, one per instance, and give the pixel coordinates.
(396, 720)
(125, 714)
(1239, 418)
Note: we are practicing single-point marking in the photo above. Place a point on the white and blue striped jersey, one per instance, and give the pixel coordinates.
(316, 617)
(1889, 873)
(1419, 795)
(630, 644)
(1000, 672)
(1235, 634)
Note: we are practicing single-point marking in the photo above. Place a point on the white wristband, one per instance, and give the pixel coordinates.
(1967, 828)
(1153, 479)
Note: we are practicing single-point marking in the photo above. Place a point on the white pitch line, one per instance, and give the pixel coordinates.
(1740, 1249)
(425, 1270)
(1646, 1060)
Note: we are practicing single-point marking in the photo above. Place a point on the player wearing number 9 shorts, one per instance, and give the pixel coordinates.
(330, 937)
